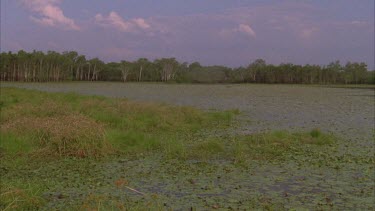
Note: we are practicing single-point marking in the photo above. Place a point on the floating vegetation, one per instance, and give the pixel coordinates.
(72, 152)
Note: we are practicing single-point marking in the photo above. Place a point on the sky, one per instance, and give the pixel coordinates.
(213, 32)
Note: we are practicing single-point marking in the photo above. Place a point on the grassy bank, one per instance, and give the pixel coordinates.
(40, 129)
(56, 147)
(44, 124)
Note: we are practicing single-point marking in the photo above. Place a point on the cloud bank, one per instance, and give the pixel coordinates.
(114, 20)
(48, 13)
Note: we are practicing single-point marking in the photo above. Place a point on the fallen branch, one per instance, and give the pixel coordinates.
(132, 189)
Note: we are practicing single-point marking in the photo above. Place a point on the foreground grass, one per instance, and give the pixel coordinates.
(48, 139)
(71, 125)
(267, 146)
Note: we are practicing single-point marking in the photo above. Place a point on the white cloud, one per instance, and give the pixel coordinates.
(116, 21)
(246, 29)
(48, 13)
(240, 29)
(141, 23)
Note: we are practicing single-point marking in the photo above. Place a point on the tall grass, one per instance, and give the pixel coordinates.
(88, 126)
(20, 197)
(276, 144)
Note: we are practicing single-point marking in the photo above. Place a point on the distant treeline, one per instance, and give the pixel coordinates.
(38, 66)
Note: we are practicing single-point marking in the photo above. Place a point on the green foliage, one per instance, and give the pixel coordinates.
(38, 66)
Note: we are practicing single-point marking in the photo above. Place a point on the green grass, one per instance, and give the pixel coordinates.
(277, 144)
(14, 144)
(55, 142)
(207, 150)
(89, 126)
(23, 196)
(60, 125)
(266, 146)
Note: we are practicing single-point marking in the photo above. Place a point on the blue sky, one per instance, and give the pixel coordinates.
(223, 32)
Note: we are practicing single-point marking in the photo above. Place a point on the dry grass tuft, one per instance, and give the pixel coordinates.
(68, 135)
(12, 198)
(47, 108)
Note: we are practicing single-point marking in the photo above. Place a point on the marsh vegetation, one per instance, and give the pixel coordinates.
(187, 105)
(79, 152)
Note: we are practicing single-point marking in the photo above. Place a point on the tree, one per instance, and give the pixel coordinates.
(355, 72)
(80, 61)
(333, 70)
(168, 70)
(97, 68)
(195, 65)
(125, 69)
(141, 64)
(255, 68)
(37, 66)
